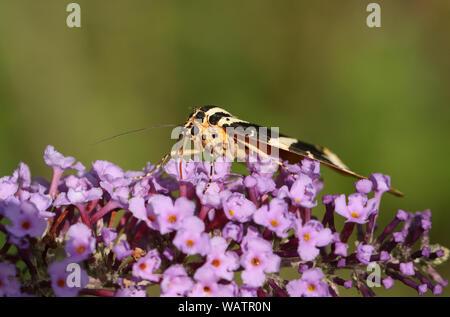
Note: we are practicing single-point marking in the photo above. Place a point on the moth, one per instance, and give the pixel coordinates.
(216, 132)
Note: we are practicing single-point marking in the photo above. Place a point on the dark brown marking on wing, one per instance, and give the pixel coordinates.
(314, 150)
(213, 119)
(206, 108)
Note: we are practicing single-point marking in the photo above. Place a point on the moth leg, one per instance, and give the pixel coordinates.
(157, 167)
(211, 171)
(161, 163)
(180, 155)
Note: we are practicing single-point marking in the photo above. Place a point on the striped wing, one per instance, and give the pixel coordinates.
(294, 151)
(290, 149)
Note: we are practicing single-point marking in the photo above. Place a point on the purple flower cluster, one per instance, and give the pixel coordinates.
(201, 231)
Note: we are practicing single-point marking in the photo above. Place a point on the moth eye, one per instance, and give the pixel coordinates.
(200, 115)
(214, 136)
(195, 130)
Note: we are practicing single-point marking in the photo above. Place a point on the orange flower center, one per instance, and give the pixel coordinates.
(255, 261)
(172, 219)
(231, 212)
(143, 266)
(306, 237)
(207, 289)
(150, 218)
(354, 215)
(190, 243)
(216, 262)
(311, 287)
(26, 225)
(81, 249)
(61, 282)
(274, 223)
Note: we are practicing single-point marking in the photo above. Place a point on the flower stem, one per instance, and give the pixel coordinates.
(328, 217)
(307, 214)
(278, 290)
(253, 196)
(140, 232)
(57, 173)
(347, 231)
(183, 189)
(5, 247)
(112, 204)
(203, 212)
(84, 214)
(388, 230)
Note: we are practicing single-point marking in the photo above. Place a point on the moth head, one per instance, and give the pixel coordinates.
(195, 123)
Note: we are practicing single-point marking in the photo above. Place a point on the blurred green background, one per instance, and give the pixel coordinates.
(378, 97)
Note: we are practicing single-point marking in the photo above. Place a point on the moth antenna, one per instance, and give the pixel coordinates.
(134, 131)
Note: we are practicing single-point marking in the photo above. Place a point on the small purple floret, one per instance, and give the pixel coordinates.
(194, 229)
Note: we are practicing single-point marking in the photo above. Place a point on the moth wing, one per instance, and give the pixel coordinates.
(292, 147)
(292, 150)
